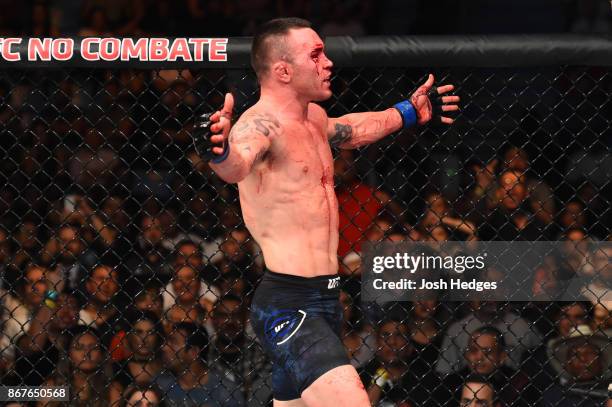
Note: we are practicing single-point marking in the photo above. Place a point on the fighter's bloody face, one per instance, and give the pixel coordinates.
(311, 69)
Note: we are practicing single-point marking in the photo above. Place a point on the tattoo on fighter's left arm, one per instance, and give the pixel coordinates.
(343, 133)
(359, 129)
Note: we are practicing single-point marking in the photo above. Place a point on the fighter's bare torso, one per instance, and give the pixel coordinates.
(288, 200)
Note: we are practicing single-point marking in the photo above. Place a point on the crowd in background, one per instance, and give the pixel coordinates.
(336, 17)
(127, 271)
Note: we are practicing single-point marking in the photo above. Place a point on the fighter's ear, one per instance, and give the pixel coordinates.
(282, 71)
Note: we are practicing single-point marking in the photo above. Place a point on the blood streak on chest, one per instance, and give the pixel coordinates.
(260, 182)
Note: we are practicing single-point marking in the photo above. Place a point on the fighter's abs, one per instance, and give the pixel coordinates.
(289, 204)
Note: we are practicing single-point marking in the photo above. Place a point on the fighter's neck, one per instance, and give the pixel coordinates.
(285, 103)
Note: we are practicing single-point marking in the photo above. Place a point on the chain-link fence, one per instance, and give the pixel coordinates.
(127, 268)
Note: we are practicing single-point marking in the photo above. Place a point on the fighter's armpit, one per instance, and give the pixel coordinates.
(342, 134)
(251, 135)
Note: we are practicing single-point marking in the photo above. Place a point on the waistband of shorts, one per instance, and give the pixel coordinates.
(327, 283)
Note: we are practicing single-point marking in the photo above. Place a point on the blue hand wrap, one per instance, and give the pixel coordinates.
(219, 159)
(406, 110)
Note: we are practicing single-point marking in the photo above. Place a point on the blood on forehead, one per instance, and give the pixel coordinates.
(306, 39)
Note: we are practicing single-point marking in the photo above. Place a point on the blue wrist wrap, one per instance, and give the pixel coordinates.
(406, 110)
(219, 159)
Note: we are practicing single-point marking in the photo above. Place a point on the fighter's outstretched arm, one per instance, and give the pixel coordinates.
(232, 150)
(247, 143)
(358, 129)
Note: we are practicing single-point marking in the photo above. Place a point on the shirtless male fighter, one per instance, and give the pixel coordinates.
(279, 154)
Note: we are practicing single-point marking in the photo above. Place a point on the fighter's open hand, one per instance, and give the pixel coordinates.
(429, 102)
(211, 131)
(221, 122)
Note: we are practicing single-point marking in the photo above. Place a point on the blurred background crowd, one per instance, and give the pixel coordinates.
(334, 17)
(127, 271)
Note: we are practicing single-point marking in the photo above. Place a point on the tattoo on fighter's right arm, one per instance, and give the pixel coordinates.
(249, 140)
(251, 135)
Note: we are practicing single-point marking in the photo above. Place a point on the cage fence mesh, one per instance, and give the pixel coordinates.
(104, 201)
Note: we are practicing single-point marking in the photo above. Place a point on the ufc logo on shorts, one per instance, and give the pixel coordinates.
(333, 283)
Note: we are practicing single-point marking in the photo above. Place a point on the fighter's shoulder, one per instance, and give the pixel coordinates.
(257, 120)
(317, 114)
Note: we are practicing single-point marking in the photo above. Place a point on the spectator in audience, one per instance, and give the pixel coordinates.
(602, 317)
(228, 346)
(101, 306)
(517, 333)
(580, 361)
(590, 17)
(554, 320)
(540, 195)
(147, 298)
(191, 381)
(359, 204)
(144, 364)
(108, 226)
(439, 225)
(123, 16)
(177, 315)
(95, 24)
(477, 392)
(188, 253)
(188, 291)
(148, 396)
(390, 377)
(27, 242)
(6, 256)
(427, 323)
(235, 283)
(39, 348)
(485, 356)
(382, 226)
(343, 19)
(68, 255)
(478, 202)
(512, 220)
(358, 337)
(149, 255)
(83, 369)
(18, 309)
(41, 21)
(573, 216)
(597, 268)
(237, 251)
(570, 316)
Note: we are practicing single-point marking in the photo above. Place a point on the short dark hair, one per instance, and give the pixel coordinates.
(270, 35)
(195, 337)
(491, 330)
(133, 316)
(485, 381)
(79, 330)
